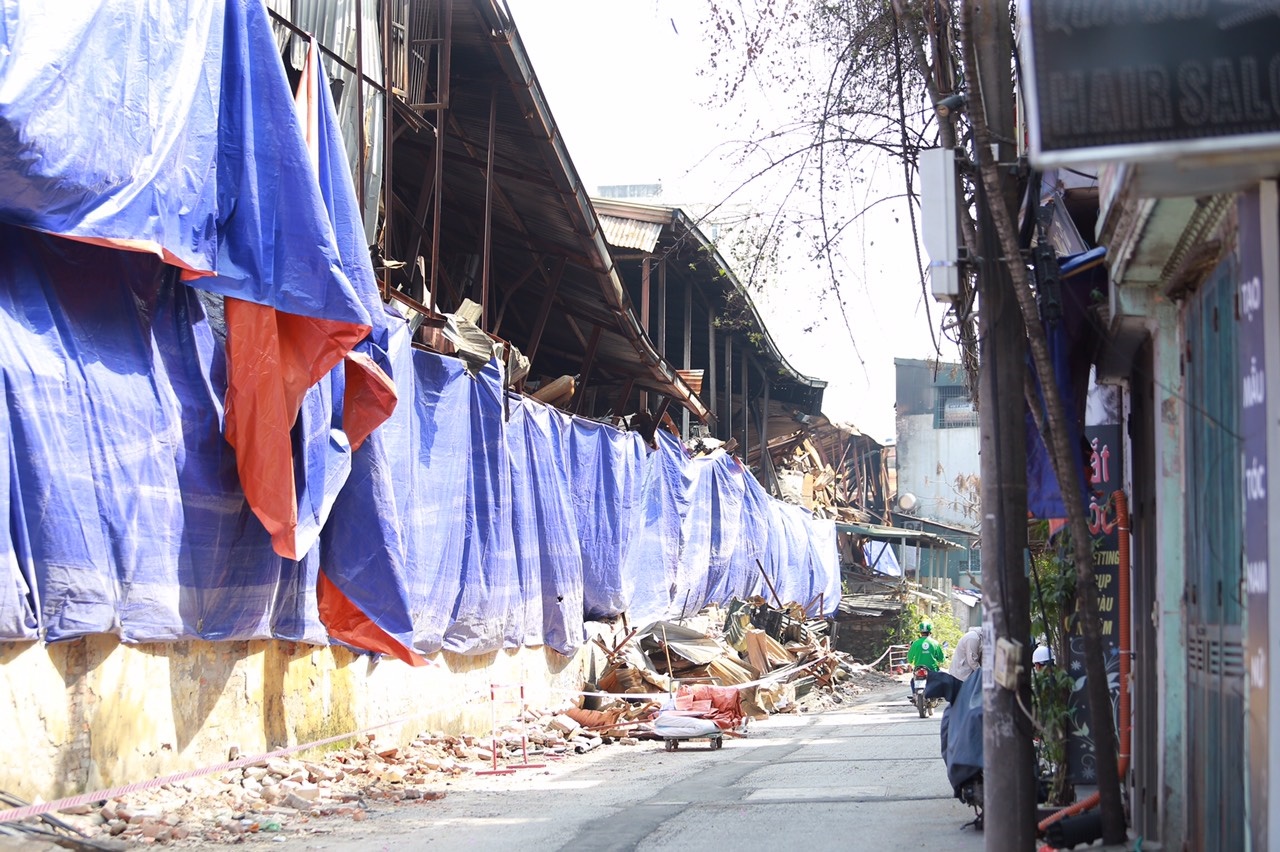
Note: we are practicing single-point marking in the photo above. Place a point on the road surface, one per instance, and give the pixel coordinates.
(868, 777)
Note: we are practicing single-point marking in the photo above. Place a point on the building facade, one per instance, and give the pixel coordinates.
(937, 460)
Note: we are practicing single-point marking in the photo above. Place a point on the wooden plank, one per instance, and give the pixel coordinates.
(555, 392)
(757, 655)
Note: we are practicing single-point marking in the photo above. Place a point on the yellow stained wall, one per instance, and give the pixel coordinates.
(92, 713)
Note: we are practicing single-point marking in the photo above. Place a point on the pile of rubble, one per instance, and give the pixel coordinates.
(287, 795)
(775, 655)
(806, 477)
(773, 658)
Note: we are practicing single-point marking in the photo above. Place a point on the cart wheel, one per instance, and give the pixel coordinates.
(716, 743)
(672, 745)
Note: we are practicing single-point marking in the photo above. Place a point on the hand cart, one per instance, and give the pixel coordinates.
(714, 740)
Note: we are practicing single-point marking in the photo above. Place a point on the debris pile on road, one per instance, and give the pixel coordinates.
(283, 794)
(778, 658)
(746, 660)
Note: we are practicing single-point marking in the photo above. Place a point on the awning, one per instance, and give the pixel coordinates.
(915, 538)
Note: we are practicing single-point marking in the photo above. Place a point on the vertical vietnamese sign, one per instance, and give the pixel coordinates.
(1105, 477)
(1251, 336)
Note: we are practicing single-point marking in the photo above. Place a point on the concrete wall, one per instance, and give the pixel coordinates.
(940, 467)
(92, 713)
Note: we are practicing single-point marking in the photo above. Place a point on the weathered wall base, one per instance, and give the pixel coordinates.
(93, 713)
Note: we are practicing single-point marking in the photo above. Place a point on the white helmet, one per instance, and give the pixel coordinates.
(1042, 654)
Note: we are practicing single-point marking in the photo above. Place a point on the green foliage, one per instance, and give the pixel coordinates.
(1050, 704)
(946, 629)
(1053, 611)
(735, 315)
(1053, 588)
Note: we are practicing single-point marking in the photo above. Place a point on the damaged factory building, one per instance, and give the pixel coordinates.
(348, 401)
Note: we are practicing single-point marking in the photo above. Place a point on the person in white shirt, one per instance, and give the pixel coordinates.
(968, 654)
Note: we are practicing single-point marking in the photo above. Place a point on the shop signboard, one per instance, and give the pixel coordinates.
(1105, 466)
(1251, 336)
(1143, 81)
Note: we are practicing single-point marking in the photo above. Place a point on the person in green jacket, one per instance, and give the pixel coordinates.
(925, 652)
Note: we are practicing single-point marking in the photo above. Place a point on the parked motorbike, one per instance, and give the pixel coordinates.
(961, 732)
(920, 680)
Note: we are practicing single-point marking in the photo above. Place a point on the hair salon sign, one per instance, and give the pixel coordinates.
(1149, 80)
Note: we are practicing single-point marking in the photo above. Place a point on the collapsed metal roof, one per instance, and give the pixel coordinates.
(541, 218)
(623, 232)
(694, 262)
(516, 229)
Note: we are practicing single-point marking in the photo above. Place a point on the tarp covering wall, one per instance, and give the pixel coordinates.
(168, 156)
(176, 134)
(124, 508)
(455, 528)
(704, 531)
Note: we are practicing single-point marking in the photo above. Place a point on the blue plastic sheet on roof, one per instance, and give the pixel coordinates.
(881, 557)
(175, 132)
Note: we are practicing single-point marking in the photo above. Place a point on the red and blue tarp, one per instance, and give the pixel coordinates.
(214, 429)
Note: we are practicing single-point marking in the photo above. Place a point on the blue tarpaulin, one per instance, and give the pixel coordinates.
(605, 481)
(455, 527)
(1070, 350)
(163, 146)
(125, 513)
(881, 557)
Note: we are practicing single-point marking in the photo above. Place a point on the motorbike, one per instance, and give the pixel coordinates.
(919, 682)
(961, 734)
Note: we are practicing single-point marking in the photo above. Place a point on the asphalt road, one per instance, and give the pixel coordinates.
(868, 777)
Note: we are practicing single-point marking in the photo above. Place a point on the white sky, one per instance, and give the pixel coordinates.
(621, 78)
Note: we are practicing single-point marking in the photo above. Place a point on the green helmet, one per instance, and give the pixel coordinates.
(926, 627)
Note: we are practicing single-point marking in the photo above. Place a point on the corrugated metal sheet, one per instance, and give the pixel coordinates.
(333, 24)
(630, 233)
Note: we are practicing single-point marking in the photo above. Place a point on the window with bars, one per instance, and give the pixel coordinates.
(953, 408)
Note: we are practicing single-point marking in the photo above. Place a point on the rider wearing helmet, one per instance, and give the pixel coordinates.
(925, 651)
(1041, 658)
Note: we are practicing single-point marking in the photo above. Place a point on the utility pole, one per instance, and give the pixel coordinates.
(1008, 759)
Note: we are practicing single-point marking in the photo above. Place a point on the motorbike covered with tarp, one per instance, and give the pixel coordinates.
(961, 734)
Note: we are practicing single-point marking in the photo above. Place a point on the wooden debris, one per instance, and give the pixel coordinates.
(556, 392)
